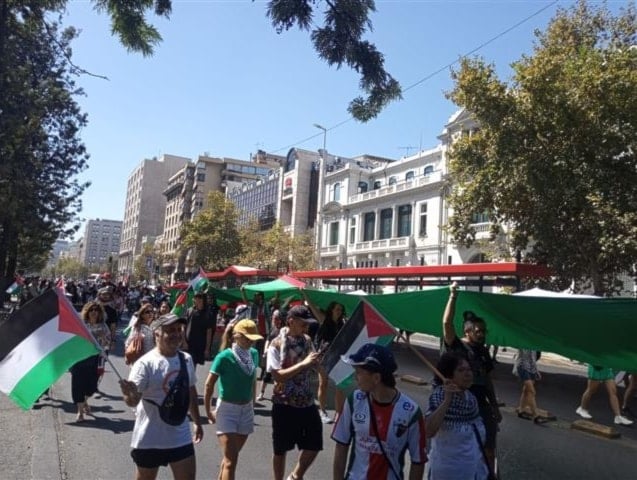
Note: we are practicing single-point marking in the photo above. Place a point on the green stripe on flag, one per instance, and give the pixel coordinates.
(48, 370)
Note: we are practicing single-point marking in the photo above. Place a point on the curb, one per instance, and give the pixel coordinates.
(595, 429)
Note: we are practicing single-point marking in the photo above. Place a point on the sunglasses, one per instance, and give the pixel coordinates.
(94, 309)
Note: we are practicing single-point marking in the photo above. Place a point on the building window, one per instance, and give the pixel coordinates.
(392, 180)
(422, 230)
(409, 175)
(429, 169)
(376, 184)
(201, 177)
(480, 217)
(352, 230)
(404, 220)
(362, 187)
(370, 224)
(337, 192)
(385, 223)
(334, 233)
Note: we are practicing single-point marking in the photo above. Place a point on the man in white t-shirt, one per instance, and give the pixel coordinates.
(155, 442)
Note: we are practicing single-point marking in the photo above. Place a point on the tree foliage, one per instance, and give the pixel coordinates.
(275, 249)
(554, 157)
(40, 148)
(212, 236)
(339, 41)
(70, 268)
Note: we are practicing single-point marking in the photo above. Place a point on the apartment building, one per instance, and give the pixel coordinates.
(100, 242)
(187, 189)
(145, 205)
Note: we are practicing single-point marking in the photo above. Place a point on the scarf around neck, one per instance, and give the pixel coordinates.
(244, 359)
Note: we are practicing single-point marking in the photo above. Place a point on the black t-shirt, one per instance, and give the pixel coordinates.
(480, 361)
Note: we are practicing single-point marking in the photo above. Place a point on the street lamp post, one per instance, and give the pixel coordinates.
(319, 201)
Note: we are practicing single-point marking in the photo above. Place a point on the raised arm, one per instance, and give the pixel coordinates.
(449, 333)
(316, 311)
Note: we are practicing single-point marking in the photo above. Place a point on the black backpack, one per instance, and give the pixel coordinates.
(174, 408)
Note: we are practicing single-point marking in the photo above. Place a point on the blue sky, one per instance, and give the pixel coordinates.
(224, 82)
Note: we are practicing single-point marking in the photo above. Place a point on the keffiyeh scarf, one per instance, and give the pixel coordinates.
(244, 359)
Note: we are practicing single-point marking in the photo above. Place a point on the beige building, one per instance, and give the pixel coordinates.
(187, 189)
(145, 205)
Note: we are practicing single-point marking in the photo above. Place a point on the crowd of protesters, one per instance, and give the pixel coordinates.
(273, 342)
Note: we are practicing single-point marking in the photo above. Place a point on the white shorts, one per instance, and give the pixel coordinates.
(233, 418)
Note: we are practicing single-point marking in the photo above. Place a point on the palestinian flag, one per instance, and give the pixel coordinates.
(366, 325)
(38, 344)
(185, 298)
(200, 282)
(182, 303)
(16, 286)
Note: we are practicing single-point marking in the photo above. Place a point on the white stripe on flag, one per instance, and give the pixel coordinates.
(342, 370)
(30, 351)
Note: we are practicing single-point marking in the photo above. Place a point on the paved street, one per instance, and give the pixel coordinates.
(44, 443)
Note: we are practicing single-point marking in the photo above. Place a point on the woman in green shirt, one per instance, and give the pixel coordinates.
(235, 369)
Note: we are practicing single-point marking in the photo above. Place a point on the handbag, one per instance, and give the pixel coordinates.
(135, 348)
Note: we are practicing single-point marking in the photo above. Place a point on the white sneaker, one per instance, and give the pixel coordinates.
(619, 420)
(582, 412)
(325, 418)
(260, 398)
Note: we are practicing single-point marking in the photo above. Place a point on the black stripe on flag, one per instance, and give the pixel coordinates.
(23, 322)
(345, 338)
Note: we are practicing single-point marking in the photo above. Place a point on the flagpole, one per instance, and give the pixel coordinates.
(422, 357)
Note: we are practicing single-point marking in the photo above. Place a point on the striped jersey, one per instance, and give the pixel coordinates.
(400, 427)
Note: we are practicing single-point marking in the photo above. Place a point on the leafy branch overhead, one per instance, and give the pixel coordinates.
(339, 41)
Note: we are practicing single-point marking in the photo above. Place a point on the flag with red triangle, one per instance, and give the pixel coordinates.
(38, 344)
(185, 298)
(365, 325)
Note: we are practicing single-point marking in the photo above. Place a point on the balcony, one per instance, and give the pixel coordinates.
(398, 187)
(386, 244)
(483, 230)
(332, 250)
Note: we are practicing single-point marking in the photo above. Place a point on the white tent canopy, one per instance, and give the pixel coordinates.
(538, 292)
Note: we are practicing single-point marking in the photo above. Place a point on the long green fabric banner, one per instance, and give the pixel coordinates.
(596, 331)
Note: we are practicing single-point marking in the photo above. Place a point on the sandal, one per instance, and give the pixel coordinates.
(540, 420)
(525, 415)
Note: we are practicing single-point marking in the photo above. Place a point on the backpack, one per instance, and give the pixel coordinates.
(174, 408)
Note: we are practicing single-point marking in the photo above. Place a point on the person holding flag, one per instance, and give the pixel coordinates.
(382, 422)
(85, 374)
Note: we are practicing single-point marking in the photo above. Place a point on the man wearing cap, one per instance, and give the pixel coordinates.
(381, 421)
(155, 442)
(295, 417)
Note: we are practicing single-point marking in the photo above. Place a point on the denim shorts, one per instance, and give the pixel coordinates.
(524, 374)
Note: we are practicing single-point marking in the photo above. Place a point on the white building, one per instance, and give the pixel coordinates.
(390, 213)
